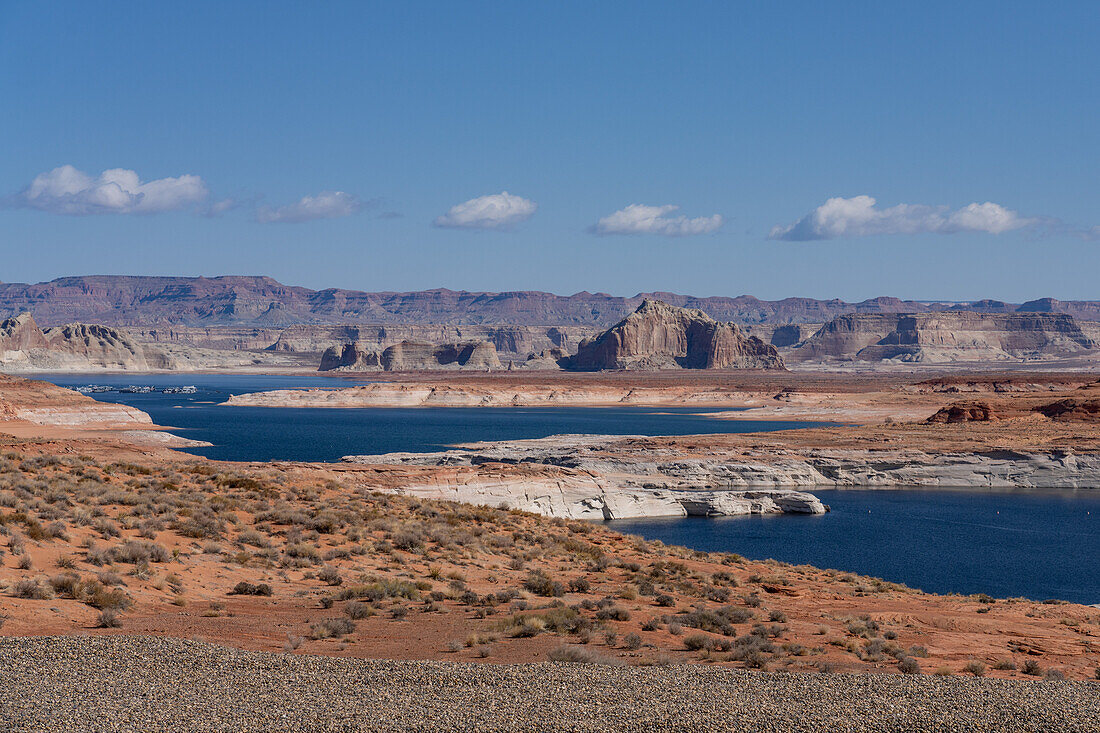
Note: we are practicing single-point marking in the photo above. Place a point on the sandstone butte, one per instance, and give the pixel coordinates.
(109, 533)
(660, 336)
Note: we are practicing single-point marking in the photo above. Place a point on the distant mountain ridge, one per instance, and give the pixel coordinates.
(237, 300)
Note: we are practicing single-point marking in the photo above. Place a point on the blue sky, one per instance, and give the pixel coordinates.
(354, 145)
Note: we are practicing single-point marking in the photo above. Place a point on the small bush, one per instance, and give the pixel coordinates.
(358, 610)
(332, 628)
(975, 668)
(31, 589)
(695, 642)
(1032, 667)
(330, 576)
(108, 619)
(1005, 664)
(632, 641)
(540, 584)
(1054, 675)
(244, 588)
(908, 665)
(576, 655)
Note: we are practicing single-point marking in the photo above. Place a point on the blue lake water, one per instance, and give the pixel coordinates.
(326, 434)
(1037, 544)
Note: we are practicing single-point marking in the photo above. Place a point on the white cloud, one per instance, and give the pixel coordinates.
(496, 211)
(860, 217)
(325, 205)
(66, 190)
(642, 219)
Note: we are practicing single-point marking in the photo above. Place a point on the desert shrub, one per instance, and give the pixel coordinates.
(975, 668)
(778, 616)
(358, 610)
(202, 524)
(576, 655)
(559, 620)
(332, 628)
(908, 665)
(1032, 667)
(1054, 675)
(108, 619)
(31, 589)
(408, 541)
(695, 642)
(253, 538)
(1005, 664)
(540, 584)
(665, 600)
(244, 588)
(135, 552)
(632, 641)
(580, 585)
(330, 576)
(613, 613)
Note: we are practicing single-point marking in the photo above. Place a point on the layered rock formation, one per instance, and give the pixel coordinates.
(411, 356)
(23, 345)
(613, 459)
(660, 336)
(584, 488)
(75, 347)
(945, 337)
(513, 342)
(265, 303)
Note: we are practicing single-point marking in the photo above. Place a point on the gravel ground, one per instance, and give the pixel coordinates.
(128, 683)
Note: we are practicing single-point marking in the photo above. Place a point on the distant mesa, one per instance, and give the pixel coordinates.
(660, 336)
(129, 301)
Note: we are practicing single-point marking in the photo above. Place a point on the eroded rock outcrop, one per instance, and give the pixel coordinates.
(966, 411)
(1072, 409)
(661, 336)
